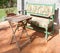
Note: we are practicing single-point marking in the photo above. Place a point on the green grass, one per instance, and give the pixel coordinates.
(3, 12)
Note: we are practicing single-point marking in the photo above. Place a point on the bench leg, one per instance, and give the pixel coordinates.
(53, 28)
(46, 35)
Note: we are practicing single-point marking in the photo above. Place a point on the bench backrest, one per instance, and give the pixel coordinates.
(40, 9)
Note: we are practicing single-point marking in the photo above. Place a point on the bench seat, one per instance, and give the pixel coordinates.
(41, 22)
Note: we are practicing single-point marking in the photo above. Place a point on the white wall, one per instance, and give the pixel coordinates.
(18, 5)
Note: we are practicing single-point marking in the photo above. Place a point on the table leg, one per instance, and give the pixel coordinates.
(13, 31)
(27, 35)
(24, 30)
(17, 42)
(21, 33)
(13, 36)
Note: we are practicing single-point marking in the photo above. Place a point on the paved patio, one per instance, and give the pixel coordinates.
(38, 44)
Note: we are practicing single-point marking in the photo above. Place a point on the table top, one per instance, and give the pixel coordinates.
(18, 18)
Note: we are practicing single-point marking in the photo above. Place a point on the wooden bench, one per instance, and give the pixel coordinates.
(42, 15)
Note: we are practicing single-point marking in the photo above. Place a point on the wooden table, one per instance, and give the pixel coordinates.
(18, 18)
